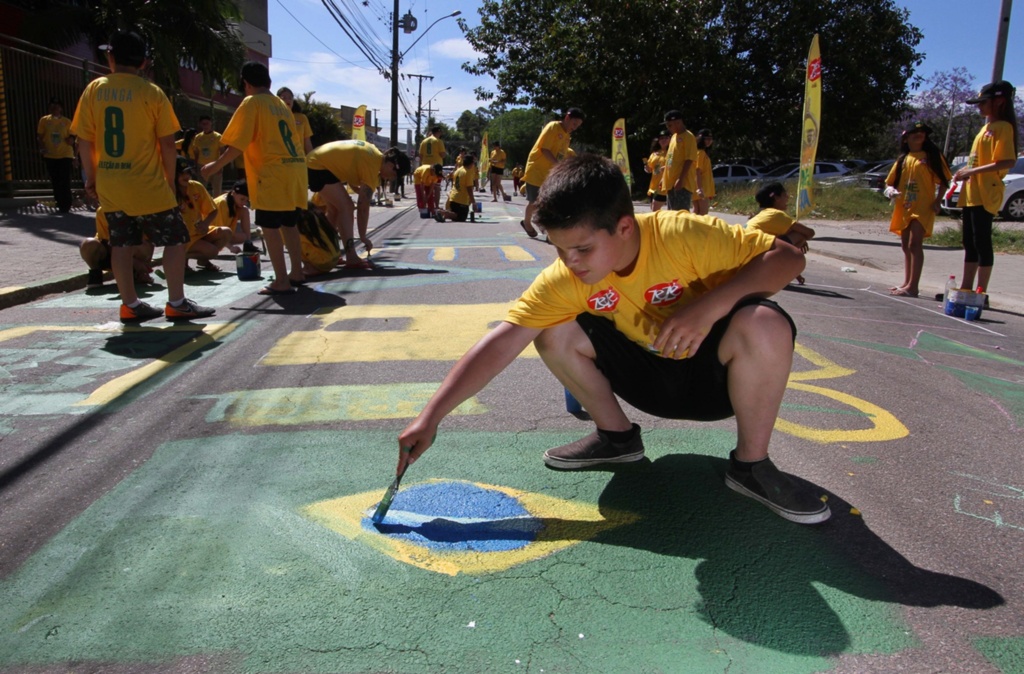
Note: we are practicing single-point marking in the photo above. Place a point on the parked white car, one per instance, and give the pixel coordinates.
(1013, 198)
(725, 174)
(822, 169)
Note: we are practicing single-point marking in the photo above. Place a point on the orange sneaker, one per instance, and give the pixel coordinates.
(138, 313)
(187, 310)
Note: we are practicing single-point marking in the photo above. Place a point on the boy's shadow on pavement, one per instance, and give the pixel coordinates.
(758, 574)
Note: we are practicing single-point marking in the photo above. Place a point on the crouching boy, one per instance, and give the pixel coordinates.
(667, 310)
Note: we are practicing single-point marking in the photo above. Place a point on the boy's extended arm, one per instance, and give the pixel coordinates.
(475, 369)
(682, 333)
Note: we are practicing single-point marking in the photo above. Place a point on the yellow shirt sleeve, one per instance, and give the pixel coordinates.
(771, 221)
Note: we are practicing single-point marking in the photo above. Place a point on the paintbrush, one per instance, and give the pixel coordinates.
(389, 495)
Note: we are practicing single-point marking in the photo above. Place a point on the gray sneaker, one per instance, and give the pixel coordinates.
(594, 450)
(765, 483)
(186, 311)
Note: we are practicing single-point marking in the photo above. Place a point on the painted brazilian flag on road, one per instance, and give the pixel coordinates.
(810, 130)
(619, 153)
(359, 123)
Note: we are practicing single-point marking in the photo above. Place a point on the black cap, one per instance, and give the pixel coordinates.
(182, 165)
(673, 115)
(992, 90)
(664, 134)
(128, 47)
(914, 127)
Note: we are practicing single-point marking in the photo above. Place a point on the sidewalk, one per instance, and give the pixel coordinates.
(39, 250)
(39, 255)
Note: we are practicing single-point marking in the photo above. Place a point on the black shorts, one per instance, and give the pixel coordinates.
(278, 219)
(691, 388)
(461, 211)
(497, 171)
(320, 178)
(165, 228)
(661, 198)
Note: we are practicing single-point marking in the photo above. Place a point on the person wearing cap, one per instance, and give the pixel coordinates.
(459, 207)
(205, 147)
(233, 214)
(915, 184)
(432, 151)
(702, 174)
(679, 180)
(497, 171)
(550, 148)
(363, 168)
(655, 165)
(993, 154)
(263, 131)
(125, 127)
(57, 144)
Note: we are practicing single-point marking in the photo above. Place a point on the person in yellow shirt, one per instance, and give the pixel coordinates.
(704, 181)
(993, 154)
(549, 149)
(916, 183)
(497, 171)
(666, 311)
(655, 165)
(432, 151)
(125, 127)
(57, 144)
(679, 179)
(263, 130)
(321, 249)
(424, 179)
(233, 214)
(461, 198)
(206, 239)
(205, 148)
(363, 168)
(96, 252)
(517, 176)
(773, 219)
(301, 121)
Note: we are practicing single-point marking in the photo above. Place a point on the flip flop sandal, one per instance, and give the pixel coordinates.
(267, 290)
(532, 235)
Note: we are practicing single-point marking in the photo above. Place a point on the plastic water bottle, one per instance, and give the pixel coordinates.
(947, 303)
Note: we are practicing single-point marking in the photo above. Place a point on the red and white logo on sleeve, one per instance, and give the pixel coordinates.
(604, 300)
(664, 293)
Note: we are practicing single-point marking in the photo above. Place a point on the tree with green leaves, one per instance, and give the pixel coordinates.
(199, 34)
(736, 66)
(322, 122)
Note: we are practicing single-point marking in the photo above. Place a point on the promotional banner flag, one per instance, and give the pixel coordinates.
(485, 158)
(619, 153)
(810, 130)
(359, 123)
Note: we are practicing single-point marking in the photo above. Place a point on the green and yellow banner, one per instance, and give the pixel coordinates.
(485, 158)
(810, 130)
(619, 153)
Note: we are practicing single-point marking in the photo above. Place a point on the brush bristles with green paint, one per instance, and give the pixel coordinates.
(389, 495)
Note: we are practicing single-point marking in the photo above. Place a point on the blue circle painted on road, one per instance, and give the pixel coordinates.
(458, 517)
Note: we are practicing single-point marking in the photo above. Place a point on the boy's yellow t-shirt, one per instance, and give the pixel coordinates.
(196, 206)
(263, 128)
(123, 116)
(432, 151)
(553, 138)
(683, 146)
(993, 143)
(682, 256)
(498, 158)
(353, 162)
(55, 132)
(425, 176)
(462, 183)
(771, 221)
(205, 147)
(707, 180)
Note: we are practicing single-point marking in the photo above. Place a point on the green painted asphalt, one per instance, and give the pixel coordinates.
(205, 550)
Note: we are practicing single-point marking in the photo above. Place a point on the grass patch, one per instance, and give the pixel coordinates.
(832, 203)
(1003, 240)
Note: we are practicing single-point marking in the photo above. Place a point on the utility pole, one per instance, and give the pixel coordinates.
(1004, 30)
(419, 103)
(395, 56)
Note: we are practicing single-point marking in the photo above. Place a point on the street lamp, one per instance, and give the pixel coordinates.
(396, 58)
(429, 101)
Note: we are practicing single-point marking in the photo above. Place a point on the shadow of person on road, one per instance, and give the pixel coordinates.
(758, 577)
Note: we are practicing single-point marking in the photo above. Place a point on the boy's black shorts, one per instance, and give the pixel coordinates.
(320, 178)
(278, 219)
(691, 388)
(461, 211)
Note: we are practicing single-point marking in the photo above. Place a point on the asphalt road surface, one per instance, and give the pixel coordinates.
(197, 498)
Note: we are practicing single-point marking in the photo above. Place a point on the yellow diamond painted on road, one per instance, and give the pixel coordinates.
(454, 526)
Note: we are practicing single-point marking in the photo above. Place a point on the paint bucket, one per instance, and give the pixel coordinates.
(247, 265)
(478, 207)
(424, 213)
(508, 197)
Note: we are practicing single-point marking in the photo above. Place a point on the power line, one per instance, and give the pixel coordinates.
(318, 40)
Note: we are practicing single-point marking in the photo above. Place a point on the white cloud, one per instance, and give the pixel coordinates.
(455, 48)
